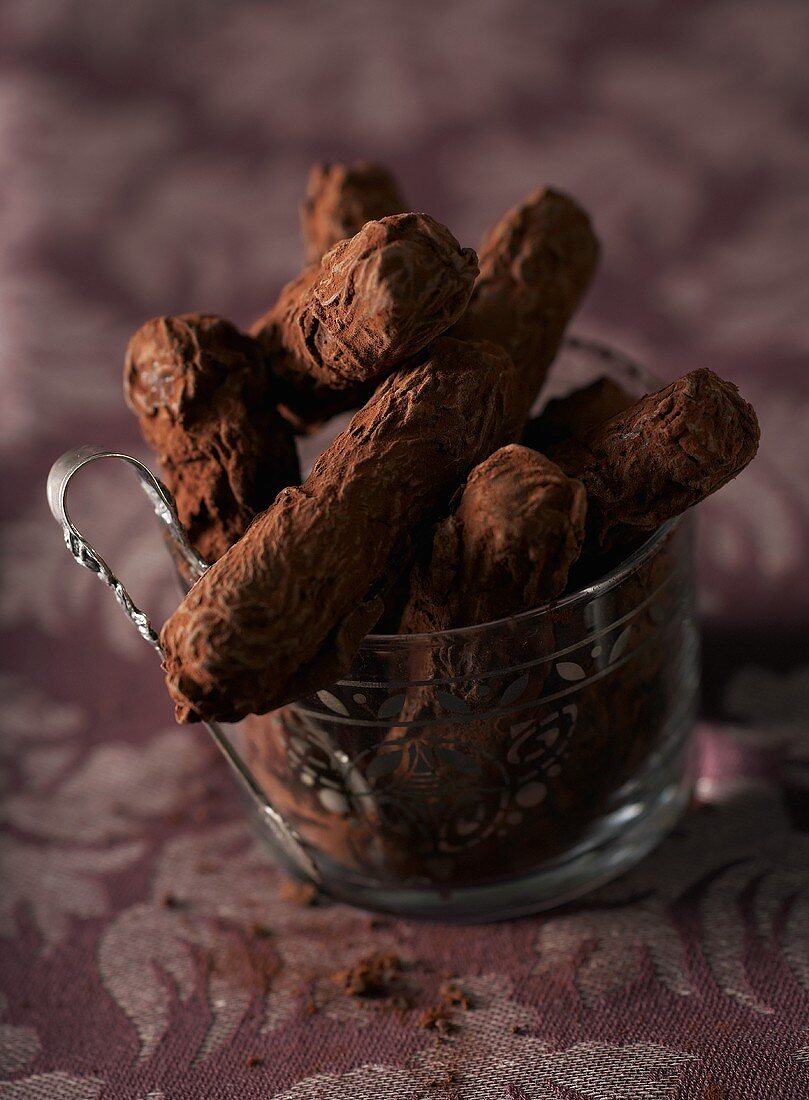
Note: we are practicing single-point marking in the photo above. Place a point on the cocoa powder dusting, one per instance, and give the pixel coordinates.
(372, 302)
(660, 456)
(341, 198)
(535, 266)
(205, 403)
(283, 612)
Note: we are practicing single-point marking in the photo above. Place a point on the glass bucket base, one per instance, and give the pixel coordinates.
(620, 841)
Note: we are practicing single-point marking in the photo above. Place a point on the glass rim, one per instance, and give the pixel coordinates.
(625, 568)
(598, 587)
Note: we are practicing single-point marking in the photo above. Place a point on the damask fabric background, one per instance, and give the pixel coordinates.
(153, 156)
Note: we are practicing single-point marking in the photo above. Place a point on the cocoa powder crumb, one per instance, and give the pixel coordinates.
(372, 976)
(452, 996)
(170, 901)
(302, 894)
(438, 1018)
(341, 198)
(448, 1077)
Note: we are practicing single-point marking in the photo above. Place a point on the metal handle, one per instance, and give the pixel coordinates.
(61, 474)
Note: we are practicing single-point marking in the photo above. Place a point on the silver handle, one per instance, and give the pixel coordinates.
(61, 474)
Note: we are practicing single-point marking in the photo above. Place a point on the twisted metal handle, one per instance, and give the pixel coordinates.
(61, 474)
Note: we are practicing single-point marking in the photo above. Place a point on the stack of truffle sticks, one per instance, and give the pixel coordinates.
(441, 504)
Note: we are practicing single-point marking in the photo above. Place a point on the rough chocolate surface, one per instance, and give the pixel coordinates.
(304, 400)
(372, 302)
(341, 198)
(201, 392)
(283, 612)
(662, 455)
(575, 414)
(508, 546)
(535, 265)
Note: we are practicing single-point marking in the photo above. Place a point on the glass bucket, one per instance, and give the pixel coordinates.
(488, 772)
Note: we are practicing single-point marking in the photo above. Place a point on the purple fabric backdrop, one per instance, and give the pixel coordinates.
(152, 158)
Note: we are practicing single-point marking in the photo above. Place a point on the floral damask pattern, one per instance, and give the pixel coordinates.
(633, 923)
(152, 159)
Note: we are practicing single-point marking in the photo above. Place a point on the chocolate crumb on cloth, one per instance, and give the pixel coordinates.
(373, 976)
(371, 303)
(301, 894)
(204, 400)
(576, 413)
(663, 454)
(341, 198)
(442, 1016)
(284, 611)
(437, 1018)
(535, 266)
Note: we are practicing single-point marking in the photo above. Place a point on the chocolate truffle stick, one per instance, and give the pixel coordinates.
(535, 266)
(508, 546)
(283, 612)
(662, 455)
(372, 302)
(201, 391)
(341, 198)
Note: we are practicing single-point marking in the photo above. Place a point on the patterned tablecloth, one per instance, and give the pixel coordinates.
(152, 157)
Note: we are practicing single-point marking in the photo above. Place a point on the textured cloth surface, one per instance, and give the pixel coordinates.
(153, 156)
